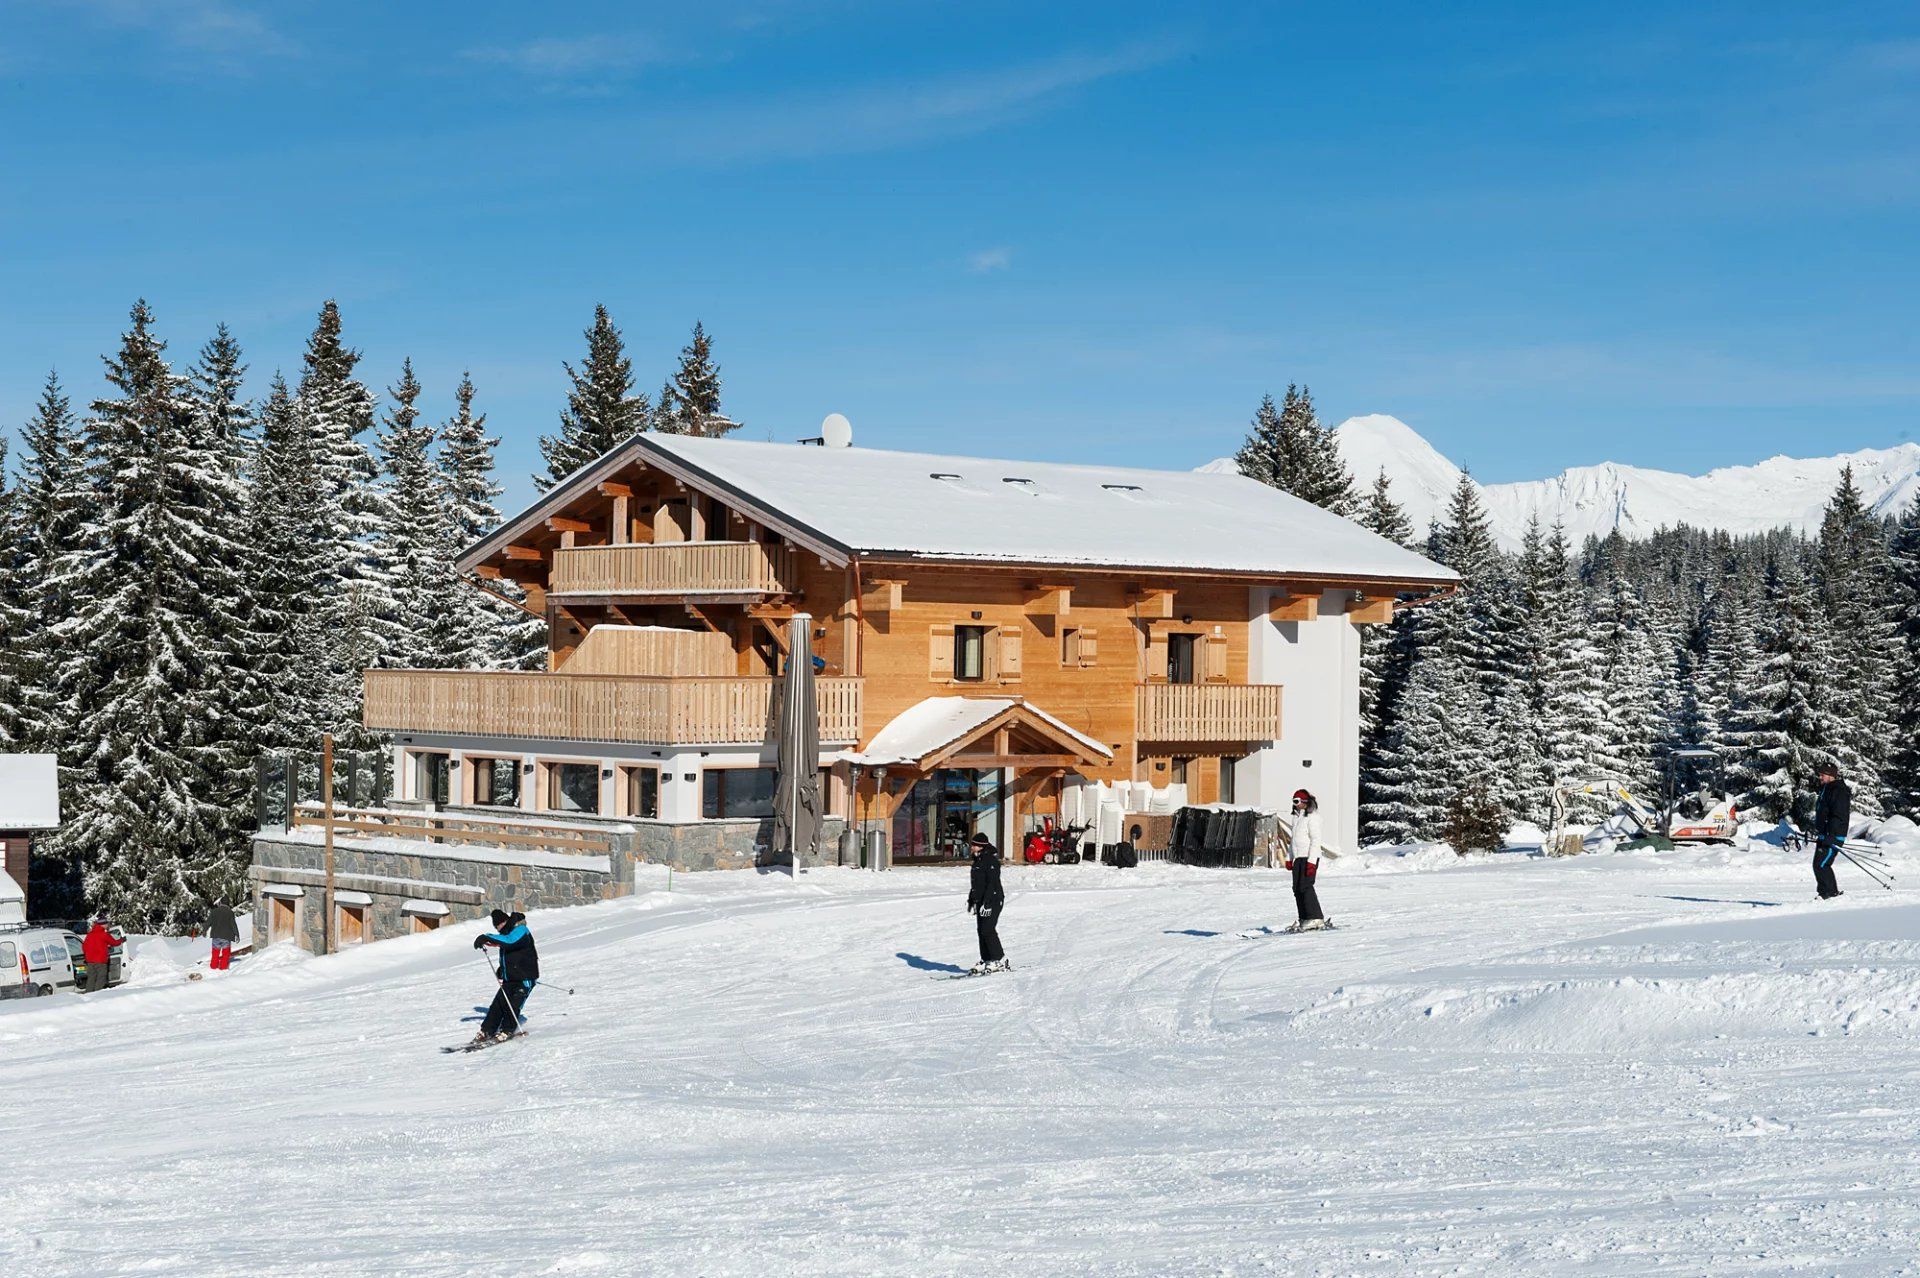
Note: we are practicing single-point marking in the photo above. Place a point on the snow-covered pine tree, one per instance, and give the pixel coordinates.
(501, 635)
(15, 620)
(149, 795)
(1287, 448)
(1783, 729)
(602, 408)
(427, 628)
(1555, 672)
(289, 619)
(51, 501)
(1379, 673)
(1903, 765)
(1854, 590)
(690, 401)
(336, 410)
(1631, 680)
(1727, 666)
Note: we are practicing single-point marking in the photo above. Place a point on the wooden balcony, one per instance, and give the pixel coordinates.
(611, 708)
(673, 569)
(1210, 712)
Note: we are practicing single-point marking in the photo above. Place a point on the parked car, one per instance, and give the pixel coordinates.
(41, 960)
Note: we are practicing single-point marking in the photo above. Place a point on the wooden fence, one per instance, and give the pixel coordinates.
(400, 823)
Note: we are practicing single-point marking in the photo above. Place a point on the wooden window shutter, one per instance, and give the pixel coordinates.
(940, 652)
(1157, 657)
(1089, 646)
(1009, 653)
(1216, 659)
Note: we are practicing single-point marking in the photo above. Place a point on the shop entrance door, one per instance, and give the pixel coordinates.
(943, 811)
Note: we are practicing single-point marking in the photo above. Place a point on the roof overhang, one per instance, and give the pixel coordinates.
(952, 731)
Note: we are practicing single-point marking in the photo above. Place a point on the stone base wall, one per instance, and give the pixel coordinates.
(724, 845)
(469, 885)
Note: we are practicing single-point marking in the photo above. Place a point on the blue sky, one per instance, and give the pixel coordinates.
(1542, 234)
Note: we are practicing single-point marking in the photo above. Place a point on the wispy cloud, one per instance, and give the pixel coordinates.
(990, 259)
(901, 113)
(573, 61)
(219, 31)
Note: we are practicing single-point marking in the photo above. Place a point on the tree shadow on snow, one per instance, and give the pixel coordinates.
(926, 965)
(1187, 931)
(1718, 900)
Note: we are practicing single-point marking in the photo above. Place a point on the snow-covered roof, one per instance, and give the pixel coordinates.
(875, 503)
(29, 792)
(931, 725)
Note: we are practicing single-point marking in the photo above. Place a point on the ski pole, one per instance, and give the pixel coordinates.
(550, 985)
(1864, 870)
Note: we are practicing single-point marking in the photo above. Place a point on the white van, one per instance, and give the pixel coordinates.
(36, 960)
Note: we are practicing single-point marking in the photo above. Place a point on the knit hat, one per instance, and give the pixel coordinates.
(500, 918)
(981, 841)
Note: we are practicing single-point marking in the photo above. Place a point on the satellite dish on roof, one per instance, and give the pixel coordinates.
(836, 431)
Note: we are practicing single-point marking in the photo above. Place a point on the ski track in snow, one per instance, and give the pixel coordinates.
(1618, 1064)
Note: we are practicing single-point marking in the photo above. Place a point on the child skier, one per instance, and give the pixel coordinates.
(985, 900)
(519, 970)
(1304, 851)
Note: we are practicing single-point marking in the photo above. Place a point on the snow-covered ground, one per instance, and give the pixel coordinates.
(1625, 1063)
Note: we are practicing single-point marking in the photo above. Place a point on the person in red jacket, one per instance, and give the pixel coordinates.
(97, 949)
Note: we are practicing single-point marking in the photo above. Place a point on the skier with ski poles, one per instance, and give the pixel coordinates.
(1303, 858)
(985, 899)
(518, 972)
(1832, 815)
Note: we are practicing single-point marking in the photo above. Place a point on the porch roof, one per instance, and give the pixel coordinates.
(939, 726)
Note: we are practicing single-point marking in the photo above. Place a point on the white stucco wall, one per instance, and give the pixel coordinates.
(1318, 662)
(680, 766)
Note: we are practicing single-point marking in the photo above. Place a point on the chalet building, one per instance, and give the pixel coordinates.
(29, 809)
(994, 641)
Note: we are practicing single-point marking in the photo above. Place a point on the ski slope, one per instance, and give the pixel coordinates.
(1614, 1064)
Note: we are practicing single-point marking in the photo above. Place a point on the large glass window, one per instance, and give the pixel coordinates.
(573, 787)
(942, 812)
(736, 792)
(969, 652)
(496, 782)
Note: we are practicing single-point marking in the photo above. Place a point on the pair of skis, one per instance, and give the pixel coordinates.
(482, 1045)
(1292, 929)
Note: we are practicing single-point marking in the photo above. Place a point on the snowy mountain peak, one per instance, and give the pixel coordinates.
(1778, 492)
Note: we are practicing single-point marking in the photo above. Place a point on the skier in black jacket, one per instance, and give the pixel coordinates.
(985, 899)
(519, 969)
(1832, 816)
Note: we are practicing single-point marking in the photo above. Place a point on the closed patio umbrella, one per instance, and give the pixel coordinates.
(796, 796)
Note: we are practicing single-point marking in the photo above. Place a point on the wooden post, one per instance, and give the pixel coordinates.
(326, 811)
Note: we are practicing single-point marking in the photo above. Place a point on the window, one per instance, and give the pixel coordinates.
(1069, 645)
(433, 777)
(643, 792)
(1229, 791)
(970, 652)
(496, 782)
(1180, 662)
(353, 925)
(422, 923)
(9, 956)
(1177, 774)
(736, 792)
(573, 787)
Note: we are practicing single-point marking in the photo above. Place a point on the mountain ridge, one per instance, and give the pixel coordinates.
(1776, 492)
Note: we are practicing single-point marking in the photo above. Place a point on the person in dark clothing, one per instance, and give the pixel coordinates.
(519, 970)
(1832, 817)
(97, 948)
(985, 899)
(222, 931)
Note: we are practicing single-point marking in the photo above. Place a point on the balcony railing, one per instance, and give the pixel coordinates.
(1210, 712)
(615, 708)
(673, 568)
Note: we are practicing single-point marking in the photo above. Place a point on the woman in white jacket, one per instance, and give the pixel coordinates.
(1304, 853)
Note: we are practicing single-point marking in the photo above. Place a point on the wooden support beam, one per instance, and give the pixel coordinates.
(1008, 761)
(490, 571)
(530, 553)
(526, 605)
(1370, 610)
(616, 490)
(1050, 600)
(779, 635)
(1152, 602)
(884, 594)
(560, 524)
(701, 617)
(1286, 606)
